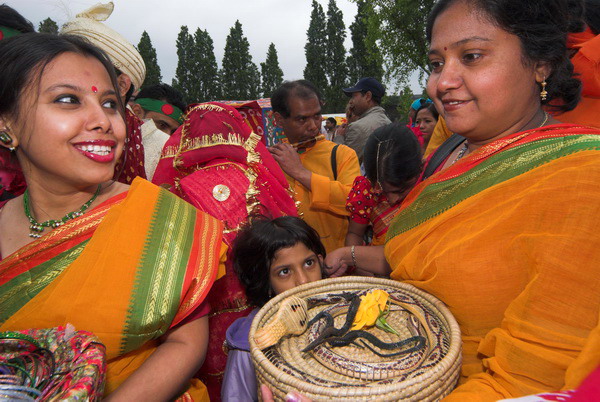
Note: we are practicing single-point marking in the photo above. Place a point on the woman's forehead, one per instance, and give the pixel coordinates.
(462, 22)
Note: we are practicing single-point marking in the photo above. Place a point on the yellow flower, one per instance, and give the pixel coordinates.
(371, 306)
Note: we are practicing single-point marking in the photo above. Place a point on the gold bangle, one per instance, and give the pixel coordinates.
(353, 256)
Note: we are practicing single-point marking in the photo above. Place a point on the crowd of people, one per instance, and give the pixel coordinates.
(163, 227)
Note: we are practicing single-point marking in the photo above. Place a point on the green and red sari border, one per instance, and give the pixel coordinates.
(161, 271)
(488, 168)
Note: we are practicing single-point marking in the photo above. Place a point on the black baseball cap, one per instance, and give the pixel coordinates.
(367, 84)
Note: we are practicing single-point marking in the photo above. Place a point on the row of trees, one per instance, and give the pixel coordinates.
(388, 43)
(328, 64)
(198, 76)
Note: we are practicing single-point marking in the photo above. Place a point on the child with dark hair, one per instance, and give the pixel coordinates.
(392, 167)
(270, 256)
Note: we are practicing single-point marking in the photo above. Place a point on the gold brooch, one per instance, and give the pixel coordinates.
(221, 192)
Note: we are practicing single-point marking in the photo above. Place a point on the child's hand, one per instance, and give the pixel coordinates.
(337, 262)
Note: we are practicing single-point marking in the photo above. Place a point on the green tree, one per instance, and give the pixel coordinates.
(365, 58)
(183, 73)
(203, 63)
(271, 73)
(336, 69)
(148, 53)
(403, 102)
(240, 76)
(401, 30)
(48, 26)
(316, 48)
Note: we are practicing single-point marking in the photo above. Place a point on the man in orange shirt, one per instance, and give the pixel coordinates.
(319, 173)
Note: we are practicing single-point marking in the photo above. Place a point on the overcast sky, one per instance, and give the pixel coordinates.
(283, 22)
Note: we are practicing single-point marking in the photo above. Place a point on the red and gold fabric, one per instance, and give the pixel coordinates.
(127, 271)
(369, 206)
(131, 164)
(220, 165)
(508, 238)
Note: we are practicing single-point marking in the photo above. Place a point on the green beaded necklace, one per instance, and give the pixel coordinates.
(36, 228)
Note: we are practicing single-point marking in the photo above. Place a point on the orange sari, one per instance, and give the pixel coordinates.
(128, 271)
(508, 239)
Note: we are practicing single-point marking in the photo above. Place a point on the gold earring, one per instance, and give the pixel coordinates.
(544, 93)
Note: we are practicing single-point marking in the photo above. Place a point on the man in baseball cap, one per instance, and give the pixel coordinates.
(365, 98)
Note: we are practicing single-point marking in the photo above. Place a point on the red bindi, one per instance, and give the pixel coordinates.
(167, 109)
(94, 89)
(445, 48)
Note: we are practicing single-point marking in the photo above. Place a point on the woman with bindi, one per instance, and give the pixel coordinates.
(77, 247)
(504, 233)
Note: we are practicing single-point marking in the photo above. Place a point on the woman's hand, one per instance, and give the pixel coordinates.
(370, 260)
(337, 262)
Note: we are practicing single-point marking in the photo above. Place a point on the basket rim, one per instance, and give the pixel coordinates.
(442, 369)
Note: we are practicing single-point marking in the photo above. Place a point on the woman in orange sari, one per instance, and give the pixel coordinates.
(130, 264)
(505, 233)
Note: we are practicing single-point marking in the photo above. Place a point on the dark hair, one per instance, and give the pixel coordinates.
(374, 98)
(10, 18)
(393, 155)
(302, 89)
(332, 120)
(165, 93)
(541, 26)
(576, 15)
(23, 59)
(591, 15)
(431, 107)
(256, 245)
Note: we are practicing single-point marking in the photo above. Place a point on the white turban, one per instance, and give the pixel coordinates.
(122, 53)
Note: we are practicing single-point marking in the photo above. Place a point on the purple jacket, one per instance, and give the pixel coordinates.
(239, 380)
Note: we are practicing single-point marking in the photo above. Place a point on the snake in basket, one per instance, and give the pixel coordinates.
(292, 319)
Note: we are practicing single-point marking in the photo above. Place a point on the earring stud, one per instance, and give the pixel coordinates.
(5, 138)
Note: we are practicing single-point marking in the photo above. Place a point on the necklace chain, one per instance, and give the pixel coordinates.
(465, 146)
(36, 228)
(462, 152)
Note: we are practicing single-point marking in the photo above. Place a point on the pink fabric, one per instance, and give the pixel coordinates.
(12, 181)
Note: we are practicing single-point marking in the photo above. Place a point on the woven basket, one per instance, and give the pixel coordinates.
(356, 372)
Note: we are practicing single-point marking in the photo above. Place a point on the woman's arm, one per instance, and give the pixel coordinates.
(166, 373)
(356, 232)
(368, 260)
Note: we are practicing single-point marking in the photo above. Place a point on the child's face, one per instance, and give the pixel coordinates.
(394, 194)
(294, 266)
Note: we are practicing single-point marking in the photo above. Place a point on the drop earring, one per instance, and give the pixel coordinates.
(544, 93)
